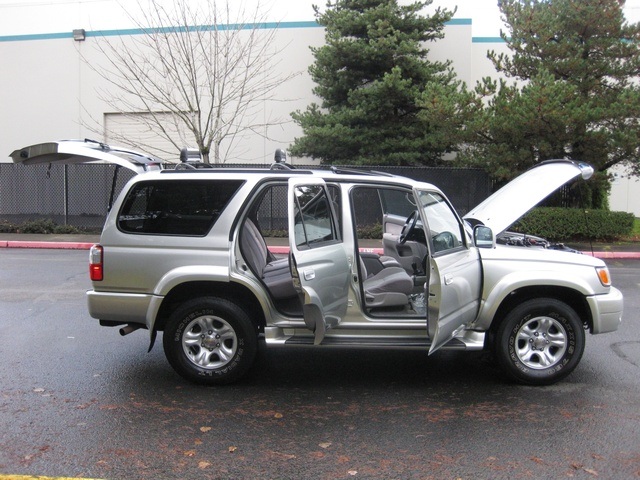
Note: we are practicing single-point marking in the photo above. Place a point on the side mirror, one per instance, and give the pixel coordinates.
(483, 237)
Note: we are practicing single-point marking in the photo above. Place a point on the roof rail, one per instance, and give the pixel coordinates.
(353, 171)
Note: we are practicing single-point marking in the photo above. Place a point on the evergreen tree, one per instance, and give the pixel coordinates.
(575, 94)
(376, 87)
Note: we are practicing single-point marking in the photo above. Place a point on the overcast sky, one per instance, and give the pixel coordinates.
(20, 17)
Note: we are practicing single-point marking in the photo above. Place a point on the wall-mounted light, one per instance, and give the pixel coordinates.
(79, 34)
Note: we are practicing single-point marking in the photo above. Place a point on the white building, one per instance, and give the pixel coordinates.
(50, 88)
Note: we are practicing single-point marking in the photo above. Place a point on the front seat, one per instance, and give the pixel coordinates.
(275, 273)
(387, 288)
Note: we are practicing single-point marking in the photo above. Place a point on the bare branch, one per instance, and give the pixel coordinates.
(197, 67)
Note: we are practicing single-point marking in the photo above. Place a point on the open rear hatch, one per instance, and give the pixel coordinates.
(68, 152)
(73, 152)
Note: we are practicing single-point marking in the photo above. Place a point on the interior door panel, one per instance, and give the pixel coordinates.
(410, 253)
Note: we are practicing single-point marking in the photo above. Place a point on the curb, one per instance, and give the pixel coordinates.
(50, 245)
(616, 255)
(278, 250)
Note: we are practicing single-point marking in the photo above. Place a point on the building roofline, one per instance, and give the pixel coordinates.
(248, 26)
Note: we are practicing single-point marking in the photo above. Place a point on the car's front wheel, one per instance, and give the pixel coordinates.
(540, 341)
(210, 341)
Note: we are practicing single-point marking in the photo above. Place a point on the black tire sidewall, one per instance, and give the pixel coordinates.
(245, 331)
(505, 341)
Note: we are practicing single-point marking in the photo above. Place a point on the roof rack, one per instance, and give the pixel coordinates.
(183, 168)
(353, 171)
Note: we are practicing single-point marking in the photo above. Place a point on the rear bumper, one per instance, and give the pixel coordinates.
(119, 307)
(606, 311)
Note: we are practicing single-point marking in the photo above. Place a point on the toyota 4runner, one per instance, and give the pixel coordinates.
(187, 252)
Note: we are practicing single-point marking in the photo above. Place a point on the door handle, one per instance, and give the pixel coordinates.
(448, 279)
(309, 274)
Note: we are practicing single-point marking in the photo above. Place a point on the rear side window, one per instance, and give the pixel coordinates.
(168, 207)
(313, 224)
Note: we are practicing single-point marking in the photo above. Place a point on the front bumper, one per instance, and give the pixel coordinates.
(606, 311)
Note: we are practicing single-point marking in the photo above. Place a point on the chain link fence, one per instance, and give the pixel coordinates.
(75, 195)
(79, 195)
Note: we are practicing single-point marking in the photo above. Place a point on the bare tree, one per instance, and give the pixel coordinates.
(198, 71)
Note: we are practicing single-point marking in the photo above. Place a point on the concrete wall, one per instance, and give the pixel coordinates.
(49, 92)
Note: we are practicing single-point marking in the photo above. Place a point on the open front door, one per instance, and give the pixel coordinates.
(454, 269)
(319, 262)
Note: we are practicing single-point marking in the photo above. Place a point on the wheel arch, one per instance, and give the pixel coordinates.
(242, 296)
(572, 298)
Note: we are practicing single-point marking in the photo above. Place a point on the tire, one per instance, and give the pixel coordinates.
(540, 342)
(210, 341)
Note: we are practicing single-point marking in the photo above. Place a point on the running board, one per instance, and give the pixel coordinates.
(276, 337)
(419, 343)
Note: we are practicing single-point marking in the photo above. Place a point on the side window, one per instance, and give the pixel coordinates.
(445, 228)
(313, 222)
(175, 207)
(367, 212)
(270, 210)
(397, 202)
(379, 210)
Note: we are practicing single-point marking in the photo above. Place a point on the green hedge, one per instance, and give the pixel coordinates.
(39, 226)
(562, 224)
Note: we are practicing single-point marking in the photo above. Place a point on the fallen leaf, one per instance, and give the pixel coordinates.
(286, 456)
(232, 449)
(38, 390)
(324, 445)
(190, 453)
(203, 465)
(591, 471)
(198, 442)
(278, 415)
(352, 472)
(205, 429)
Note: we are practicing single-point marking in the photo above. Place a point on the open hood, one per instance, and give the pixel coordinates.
(85, 151)
(520, 195)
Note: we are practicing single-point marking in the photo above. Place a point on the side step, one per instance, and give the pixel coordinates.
(418, 343)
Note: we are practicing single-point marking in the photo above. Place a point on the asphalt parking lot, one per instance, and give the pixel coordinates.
(79, 400)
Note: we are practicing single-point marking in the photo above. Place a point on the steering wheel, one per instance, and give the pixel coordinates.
(408, 228)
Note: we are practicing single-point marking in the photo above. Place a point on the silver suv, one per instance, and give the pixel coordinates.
(218, 259)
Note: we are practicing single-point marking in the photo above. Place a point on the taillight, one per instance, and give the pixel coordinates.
(96, 271)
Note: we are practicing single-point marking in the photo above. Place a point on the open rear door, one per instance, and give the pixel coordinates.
(319, 263)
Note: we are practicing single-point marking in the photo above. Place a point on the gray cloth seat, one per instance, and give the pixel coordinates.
(387, 288)
(275, 273)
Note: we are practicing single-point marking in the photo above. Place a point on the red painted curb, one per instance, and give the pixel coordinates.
(52, 245)
(284, 250)
(619, 255)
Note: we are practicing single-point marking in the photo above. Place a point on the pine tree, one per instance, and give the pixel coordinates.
(575, 93)
(376, 86)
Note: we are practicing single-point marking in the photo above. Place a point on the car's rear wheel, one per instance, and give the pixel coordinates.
(540, 341)
(210, 341)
